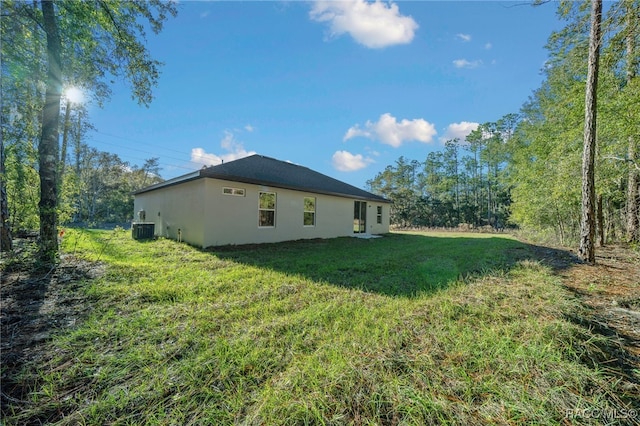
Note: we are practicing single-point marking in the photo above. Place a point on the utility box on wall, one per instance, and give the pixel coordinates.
(142, 231)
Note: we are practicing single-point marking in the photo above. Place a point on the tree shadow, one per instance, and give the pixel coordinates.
(37, 301)
(401, 265)
(23, 296)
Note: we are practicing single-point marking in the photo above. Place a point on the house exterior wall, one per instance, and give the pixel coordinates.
(178, 207)
(373, 227)
(233, 219)
(208, 216)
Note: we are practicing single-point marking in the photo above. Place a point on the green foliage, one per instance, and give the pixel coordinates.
(285, 334)
(96, 190)
(545, 152)
(49, 46)
(22, 186)
(106, 39)
(21, 105)
(545, 170)
(94, 187)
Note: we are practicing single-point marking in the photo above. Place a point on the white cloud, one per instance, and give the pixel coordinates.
(345, 161)
(459, 130)
(249, 128)
(463, 63)
(229, 142)
(391, 132)
(374, 25)
(234, 148)
(356, 131)
(199, 156)
(488, 46)
(464, 37)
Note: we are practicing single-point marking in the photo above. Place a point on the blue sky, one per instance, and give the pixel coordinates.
(344, 88)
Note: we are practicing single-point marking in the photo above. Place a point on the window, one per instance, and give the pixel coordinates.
(238, 192)
(267, 209)
(379, 215)
(309, 216)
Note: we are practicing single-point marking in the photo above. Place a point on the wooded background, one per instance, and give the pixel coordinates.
(523, 170)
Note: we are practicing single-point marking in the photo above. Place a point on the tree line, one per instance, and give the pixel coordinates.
(525, 169)
(96, 187)
(462, 184)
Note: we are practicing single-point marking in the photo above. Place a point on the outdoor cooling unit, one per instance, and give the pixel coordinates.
(142, 231)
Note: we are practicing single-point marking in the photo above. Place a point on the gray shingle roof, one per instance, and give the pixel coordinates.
(261, 170)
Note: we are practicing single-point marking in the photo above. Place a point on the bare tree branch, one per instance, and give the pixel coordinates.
(626, 160)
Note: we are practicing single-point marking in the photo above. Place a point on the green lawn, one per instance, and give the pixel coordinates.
(405, 329)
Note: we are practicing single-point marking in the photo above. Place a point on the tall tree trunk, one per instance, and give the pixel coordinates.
(488, 194)
(633, 179)
(65, 143)
(588, 222)
(6, 240)
(457, 186)
(79, 185)
(600, 215)
(48, 147)
(633, 197)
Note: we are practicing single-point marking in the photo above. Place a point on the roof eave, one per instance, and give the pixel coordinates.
(171, 182)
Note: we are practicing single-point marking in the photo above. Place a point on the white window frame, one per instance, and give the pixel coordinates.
(236, 192)
(261, 209)
(305, 211)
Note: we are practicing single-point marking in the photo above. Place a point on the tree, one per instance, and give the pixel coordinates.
(22, 100)
(633, 177)
(451, 148)
(586, 250)
(149, 172)
(399, 184)
(6, 240)
(545, 153)
(444, 194)
(90, 43)
(48, 147)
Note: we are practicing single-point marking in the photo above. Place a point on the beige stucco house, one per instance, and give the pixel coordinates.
(258, 199)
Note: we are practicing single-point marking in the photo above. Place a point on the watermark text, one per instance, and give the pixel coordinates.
(604, 414)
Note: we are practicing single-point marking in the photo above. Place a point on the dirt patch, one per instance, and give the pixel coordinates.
(610, 290)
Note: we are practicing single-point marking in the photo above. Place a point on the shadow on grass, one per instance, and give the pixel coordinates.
(38, 301)
(403, 265)
(24, 287)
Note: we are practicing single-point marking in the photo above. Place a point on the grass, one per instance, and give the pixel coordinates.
(406, 329)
